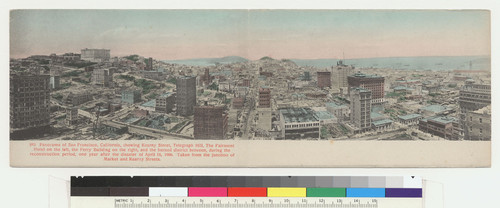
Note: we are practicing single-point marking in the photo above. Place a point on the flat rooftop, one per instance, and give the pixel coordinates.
(167, 94)
(443, 119)
(410, 116)
(359, 74)
(324, 115)
(382, 122)
(335, 105)
(435, 108)
(151, 103)
(360, 89)
(298, 115)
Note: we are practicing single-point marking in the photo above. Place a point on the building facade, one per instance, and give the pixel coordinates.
(29, 105)
(206, 79)
(185, 95)
(340, 111)
(373, 83)
(324, 79)
(361, 108)
(264, 98)
(210, 122)
(410, 119)
(238, 102)
(95, 55)
(165, 103)
(71, 116)
(440, 126)
(478, 124)
(55, 82)
(472, 97)
(343, 71)
(131, 96)
(102, 77)
(299, 123)
(74, 99)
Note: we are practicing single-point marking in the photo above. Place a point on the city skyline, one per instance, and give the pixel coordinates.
(252, 34)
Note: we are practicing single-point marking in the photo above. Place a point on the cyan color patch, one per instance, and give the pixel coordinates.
(365, 192)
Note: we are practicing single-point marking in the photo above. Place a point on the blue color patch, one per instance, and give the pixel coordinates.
(365, 192)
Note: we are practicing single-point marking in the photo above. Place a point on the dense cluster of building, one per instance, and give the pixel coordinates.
(88, 95)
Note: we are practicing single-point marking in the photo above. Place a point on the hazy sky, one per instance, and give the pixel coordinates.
(308, 34)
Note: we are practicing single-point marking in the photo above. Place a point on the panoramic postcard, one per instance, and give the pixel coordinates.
(156, 88)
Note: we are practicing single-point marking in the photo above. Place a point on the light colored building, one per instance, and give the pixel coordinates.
(75, 99)
(361, 108)
(241, 91)
(102, 77)
(149, 106)
(326, 117)
(410, 119)
(131, 96)
(340, 111)
(299, 123)
(71, 116)
(478, 124)
(472, 97)
(165, 103)
(95, 55)
(55, 82)
(432, 110)
(382, 125)
(343, 71)
(265, 119)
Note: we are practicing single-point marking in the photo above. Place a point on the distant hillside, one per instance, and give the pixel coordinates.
(208, 61)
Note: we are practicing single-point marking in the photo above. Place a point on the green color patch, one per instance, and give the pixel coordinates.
(325, 192)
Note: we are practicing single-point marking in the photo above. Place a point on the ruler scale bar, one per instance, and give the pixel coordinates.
(243, 202)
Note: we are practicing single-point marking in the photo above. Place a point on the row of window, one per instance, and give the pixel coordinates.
(302, 125)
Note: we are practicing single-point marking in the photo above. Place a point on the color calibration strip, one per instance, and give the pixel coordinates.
(221, 186)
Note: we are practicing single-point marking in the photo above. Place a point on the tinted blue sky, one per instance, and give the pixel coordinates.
(178, 34)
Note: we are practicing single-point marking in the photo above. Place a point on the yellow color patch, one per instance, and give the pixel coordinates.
(286, 192)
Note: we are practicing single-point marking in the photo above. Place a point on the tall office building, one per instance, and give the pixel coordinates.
(29, 105)
(186, 95)
(165, 103)
(360, 108)
(210, 122)
(343, 71)
(373, 83)
(264, 98)
(324, 79)
(102, 77)
(473, 97)
(95, 55)
(264, 110)
(206, 78)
